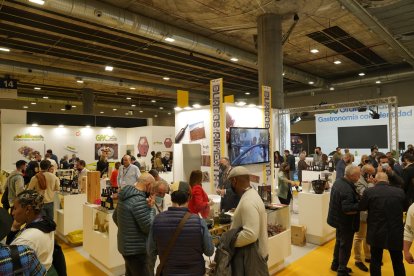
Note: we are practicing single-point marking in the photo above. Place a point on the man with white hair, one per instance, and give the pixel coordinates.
(344, 216)
(134, 216)
(385, 205)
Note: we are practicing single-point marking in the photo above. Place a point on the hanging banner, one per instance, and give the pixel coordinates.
(8, 89)
(217, 119)
(267, 123)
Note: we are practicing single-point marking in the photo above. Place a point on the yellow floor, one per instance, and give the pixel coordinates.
(318, 263)
(77, 265)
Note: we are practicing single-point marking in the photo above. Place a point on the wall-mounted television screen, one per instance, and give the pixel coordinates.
(248, 146)
(363, 137)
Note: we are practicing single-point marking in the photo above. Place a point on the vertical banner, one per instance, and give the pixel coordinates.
(267, 121)
(217, 128)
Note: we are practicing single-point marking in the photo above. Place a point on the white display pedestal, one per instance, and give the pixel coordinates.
(102, 247)
(313, 213)
(68, 213)
(167, 176)
(280, 244)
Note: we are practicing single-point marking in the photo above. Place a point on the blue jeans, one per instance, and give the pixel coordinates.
(48, 210)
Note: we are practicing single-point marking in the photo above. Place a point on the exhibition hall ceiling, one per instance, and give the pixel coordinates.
(158, 46)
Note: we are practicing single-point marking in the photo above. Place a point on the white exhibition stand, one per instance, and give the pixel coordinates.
(280, 244)
(102, 247)
(68, 213)
(313, 213)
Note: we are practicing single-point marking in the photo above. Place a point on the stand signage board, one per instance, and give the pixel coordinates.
(8, 88)
(267, 121)
(217, 119)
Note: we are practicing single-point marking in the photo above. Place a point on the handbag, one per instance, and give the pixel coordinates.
(171, 243)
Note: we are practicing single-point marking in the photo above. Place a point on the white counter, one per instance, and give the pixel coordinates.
(313, 213)
(102, 247)
(68, 213)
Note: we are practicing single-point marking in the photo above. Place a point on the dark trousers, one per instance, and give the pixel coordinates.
(286, 201)
(136, 265)
(48, 210)
(376, 259)
(343, 247)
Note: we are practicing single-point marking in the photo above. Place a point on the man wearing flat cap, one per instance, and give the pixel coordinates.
(250, 214)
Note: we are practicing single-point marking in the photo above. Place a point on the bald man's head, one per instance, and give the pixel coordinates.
(381, 177)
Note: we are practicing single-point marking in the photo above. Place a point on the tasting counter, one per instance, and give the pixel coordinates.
(100, 239)
(313, 213)
(68, 212)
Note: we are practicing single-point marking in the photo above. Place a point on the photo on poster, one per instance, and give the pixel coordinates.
(27, 150)
(197, 131)
(110, 149)
(206, 160)
(206, 177)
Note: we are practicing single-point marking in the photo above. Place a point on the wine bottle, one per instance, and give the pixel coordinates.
(103, 198)
(180, 134)
(68, 187)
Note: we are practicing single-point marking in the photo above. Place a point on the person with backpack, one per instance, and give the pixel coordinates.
(14, 184)
(38, 232)
(20, 259)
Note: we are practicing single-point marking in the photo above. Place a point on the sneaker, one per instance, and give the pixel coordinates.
(361, 266)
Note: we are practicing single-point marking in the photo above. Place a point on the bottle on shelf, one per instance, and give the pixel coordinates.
(109, 204)
(68, 186)
(75, 187)
(103, 198)
(180, 134)
(96, 223)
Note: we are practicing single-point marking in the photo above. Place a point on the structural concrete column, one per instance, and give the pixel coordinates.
(88, 101)
(270, 56)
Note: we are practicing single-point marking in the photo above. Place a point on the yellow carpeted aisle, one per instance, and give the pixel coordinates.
(77, 265)
(318, 263)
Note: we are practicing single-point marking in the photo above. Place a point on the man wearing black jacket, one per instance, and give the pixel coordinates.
(393, 178)
(385, 205)
(408, 177)
(344, 216)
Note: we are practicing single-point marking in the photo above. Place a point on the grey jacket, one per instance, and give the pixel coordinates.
(360, 186)
(133, 218)
(238, 261)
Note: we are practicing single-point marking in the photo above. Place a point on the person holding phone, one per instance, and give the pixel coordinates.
(393, 178)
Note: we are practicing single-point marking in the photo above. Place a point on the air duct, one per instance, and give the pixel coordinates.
(121, 19)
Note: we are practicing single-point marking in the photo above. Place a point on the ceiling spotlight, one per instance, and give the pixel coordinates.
(362, 109)
(132, 88)
(295, 119)
(283, 73)
(34, 125)
(61, 126)
(378, 82)
(133, 105)
(247, 93)
(169, 113)
(241, 103)
(87, 126)
(196, 105)
(109, 68)
(33, 103)
(74, 106)
(79, 81)
(177, 108)
(25, 107)
(128, 98)
(108, 127)
(332, 88)
(153, 101)
(102, 112)
(337, 62)
(166, 78)
(234, 59)
(311, 82)
(314, 51)
(62, 109)
(39, 2)
(45, 97)
(374, 114)
(161, 107)
(155, 115)
(141, 111)
(361, 74)
(114, 109)
(4, 49)
(37, 88)
(169, 39)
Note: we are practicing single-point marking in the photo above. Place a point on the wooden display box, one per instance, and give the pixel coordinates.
(298, 235)
(93, 188)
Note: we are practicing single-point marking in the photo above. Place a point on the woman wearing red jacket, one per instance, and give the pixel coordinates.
(199, 202)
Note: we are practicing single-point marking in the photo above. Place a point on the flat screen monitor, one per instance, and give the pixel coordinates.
(363, 137)
(248, 146)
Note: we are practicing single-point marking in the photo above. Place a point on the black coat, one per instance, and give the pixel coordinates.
(408, 177)
(343, 206)
(385, 205)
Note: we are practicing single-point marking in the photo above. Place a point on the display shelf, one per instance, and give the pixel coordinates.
(280, 244)
(68, 212)
(313, 213)
(102, 245)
